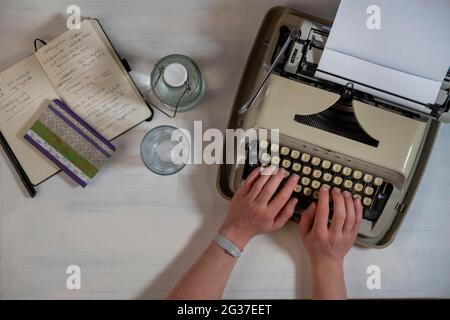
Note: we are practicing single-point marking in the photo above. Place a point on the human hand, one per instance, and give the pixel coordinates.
(326, 244)
(253, 209)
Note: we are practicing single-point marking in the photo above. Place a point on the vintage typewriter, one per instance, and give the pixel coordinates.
(329, 133)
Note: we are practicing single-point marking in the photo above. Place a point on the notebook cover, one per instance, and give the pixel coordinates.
(69, 142)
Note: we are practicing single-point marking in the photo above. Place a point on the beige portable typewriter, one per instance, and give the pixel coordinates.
(331, 132)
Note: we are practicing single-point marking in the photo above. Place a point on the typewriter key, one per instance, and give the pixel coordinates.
(315, 184)
(307, 192)
(367, 201)
(348, 184)
(284, 151)
(336, 168)
(296, 167)
(306, 170)
(295, 154)
(286, 164)
(369, 191)
(357, 174)
(368, 178)
(347, 171)
(315, 161)
(378, 182)
(327, 177)
(305, 181)
(305, 157)
(337, 181)
(263, 144)
(274, 148)
(358, 187)
(317, 174)
(326, 164)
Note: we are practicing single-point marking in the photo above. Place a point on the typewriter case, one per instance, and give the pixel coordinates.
(262, 55)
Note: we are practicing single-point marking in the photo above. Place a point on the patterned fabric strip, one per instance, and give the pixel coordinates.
(71, 137)
(88, 132)
(69, 113)
(78, 131)
(57, 158)
(64, 149)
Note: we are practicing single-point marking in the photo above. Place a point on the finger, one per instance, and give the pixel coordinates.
(358, 216)
(307, 220)
(248, 183)
(285, 214)
(323, 209)
(350, 210)
(270, 187)
(264, 176)
(338, 211)
(283, 196)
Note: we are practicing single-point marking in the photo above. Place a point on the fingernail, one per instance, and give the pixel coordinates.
(358, 201)
(269, 170)
(337, 190)
(296, 176)
(325, 187)
(347, 194)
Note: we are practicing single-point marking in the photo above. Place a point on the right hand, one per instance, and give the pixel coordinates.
(329, 243)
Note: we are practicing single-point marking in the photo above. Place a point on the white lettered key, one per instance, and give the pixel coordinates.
(305, 181)
(367, 201)
(358, 187)
(305, 157)
(316, 195)
(348, 184)
(378, 181)
(317, 174)
(275, 161)
(357, 174)
(284, 151)
(346, 171)
(336, 168)
(286, 163)
(306, 170)
(307, 191)
(264, 144)
(369, 191)
(296, 167)
(274, 148)
(368, 178)
(298, 188)
(295, 154)
(326, 164)
(315, 184)
(265, 158)
(327, 177)
(337, 181)
(315, 161)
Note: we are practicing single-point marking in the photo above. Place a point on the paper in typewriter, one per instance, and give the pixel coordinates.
(408, 56)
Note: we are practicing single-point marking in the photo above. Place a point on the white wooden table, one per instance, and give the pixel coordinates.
(134, 233)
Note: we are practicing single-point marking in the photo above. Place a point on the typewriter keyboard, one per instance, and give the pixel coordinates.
(314, 172)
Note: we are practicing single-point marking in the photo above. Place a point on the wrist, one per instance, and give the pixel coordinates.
(327, 265)
(237, 237)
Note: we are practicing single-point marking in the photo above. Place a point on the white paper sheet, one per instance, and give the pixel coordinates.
(409, 56)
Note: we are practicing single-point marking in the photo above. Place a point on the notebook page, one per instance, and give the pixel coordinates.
(86, 76)
(24, 89)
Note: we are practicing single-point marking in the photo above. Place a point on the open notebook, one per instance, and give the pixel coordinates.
(80, 67)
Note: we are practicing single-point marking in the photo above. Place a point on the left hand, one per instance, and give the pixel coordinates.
(254, 210)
